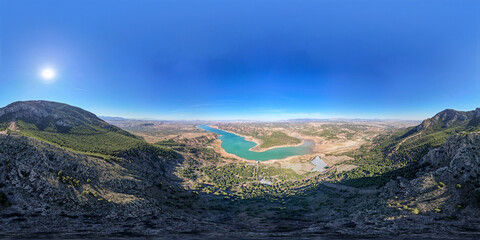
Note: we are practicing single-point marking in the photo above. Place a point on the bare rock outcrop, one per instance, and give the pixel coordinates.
(447, 183)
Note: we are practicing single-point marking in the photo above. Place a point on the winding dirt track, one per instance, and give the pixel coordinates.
(403, 141)
(11, 127)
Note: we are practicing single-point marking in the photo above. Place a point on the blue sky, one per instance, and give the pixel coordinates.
(260, 59)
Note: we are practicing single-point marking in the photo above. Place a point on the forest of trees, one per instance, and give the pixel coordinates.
(99, 142)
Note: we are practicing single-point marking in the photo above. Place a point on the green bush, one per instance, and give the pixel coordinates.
(415, 211)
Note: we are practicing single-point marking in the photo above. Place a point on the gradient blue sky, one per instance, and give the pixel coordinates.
(259, 59)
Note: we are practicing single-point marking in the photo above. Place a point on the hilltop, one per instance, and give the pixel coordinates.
(53, 117)
(398, 153)
(467, 120)
(75, 129)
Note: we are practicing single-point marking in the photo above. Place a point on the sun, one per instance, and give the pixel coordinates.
(48, 75)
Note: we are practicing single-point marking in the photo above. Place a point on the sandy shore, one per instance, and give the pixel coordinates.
(217, 146)
(259, 142)
(301, 164)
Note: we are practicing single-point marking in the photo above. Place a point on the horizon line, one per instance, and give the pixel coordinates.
(119, 118)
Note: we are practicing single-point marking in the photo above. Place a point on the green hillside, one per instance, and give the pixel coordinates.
(397, 154)
(76, 129)
(277, 138)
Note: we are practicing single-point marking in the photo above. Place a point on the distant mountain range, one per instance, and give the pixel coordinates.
(346, 120)
(107, 118)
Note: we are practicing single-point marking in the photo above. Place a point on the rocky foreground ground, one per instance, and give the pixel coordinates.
(50, 192)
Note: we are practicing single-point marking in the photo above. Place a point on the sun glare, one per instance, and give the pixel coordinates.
(48, 75)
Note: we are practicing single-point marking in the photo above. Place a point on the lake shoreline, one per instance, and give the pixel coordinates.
(240, 150)
(259, 142)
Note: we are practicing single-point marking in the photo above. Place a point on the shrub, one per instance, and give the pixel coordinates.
(415, 211)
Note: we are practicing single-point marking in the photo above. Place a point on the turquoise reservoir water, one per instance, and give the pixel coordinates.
(237, 145)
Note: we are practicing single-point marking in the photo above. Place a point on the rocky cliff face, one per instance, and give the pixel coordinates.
(44, 114)
(44, 187)
(38, 177)
(39, 110)
(447, 183)
(458, 158)
(448, 118)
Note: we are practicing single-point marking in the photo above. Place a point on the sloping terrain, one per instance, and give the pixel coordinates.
(432, 132)
(96, 186)
(446, 188)
(50, 187)
(398, 153)
(75, 129)
(46, 191)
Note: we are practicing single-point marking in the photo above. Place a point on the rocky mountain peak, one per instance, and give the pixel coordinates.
(447, 118)
(45, 114)
(451, 115)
